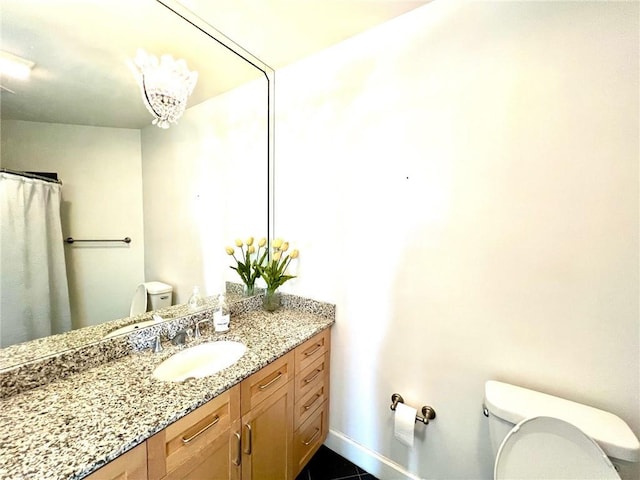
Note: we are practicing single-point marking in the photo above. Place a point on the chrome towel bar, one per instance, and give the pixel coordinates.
(73, 240)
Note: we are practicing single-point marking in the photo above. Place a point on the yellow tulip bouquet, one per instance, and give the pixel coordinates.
(247, 268)
(274, 271)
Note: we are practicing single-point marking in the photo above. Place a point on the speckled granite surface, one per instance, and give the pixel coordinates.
(31, 364)
(72, 426)
(44, 347)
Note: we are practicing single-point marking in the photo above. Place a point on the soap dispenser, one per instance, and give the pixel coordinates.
(221, 314)
(195, 302)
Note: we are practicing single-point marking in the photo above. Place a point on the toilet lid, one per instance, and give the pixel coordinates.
(550, 448)
(139, 301)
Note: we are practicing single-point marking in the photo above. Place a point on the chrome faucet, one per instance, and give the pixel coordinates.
(180, 338)
(197, 333)
(157, 345)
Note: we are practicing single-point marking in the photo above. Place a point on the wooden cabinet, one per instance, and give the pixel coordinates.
(311, 408)
(129, 466)
(267, 421)
(267, 427)
(310, 436)
(202, 445)
(285, 411)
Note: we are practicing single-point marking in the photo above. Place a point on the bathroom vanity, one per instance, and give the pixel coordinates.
(263, 417)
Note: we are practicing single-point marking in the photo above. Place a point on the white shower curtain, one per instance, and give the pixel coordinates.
(33, 290)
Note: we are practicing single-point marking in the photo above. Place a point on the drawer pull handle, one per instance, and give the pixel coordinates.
(312, 377)
(308, 353)
(268, 384)
(313, 437)
(308, 405)
(201, 431)
(238, 459)
(247, 450)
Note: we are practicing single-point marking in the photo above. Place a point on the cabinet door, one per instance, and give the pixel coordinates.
(267, 437)
(130, 466)
(199, 446)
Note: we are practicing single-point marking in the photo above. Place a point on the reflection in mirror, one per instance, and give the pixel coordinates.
(180, 194)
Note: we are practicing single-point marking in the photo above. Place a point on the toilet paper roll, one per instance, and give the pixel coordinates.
(404, 424)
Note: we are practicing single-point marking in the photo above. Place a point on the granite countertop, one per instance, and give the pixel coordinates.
(46, 346)
(72, 426)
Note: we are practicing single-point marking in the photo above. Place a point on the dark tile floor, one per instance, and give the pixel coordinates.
(328, 465)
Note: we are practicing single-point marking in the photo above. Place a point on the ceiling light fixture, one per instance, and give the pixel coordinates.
(13, 66)
(165, 86)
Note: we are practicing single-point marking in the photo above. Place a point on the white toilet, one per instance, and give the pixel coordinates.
(150, 296)
(539, 436)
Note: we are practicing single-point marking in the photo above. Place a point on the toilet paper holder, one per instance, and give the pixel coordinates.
(428, 413)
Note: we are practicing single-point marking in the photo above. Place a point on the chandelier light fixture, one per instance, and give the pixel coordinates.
(165, 85)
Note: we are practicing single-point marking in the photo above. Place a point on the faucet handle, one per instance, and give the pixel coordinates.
(157, 346)
(197, 333)
(180, 338)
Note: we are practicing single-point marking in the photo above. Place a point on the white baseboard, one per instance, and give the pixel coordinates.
(374, 463)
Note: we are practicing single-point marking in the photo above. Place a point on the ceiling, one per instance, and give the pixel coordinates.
(81, 48)
(279, 32)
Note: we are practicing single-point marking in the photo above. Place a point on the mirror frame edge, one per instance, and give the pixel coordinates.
(196, 21)
(270, 75)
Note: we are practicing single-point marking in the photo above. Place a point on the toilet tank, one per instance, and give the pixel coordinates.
(159, 295)
(509, 404)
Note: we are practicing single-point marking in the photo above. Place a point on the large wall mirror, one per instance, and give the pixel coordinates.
(181, 194)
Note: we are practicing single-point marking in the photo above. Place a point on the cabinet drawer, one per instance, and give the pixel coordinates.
(307, 404)
(183, 445)
(266, 381)
(312, 349)
(309, 437)
(316, 373)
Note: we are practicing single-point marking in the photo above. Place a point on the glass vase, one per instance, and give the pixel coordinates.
(248, 290)
(271, 299)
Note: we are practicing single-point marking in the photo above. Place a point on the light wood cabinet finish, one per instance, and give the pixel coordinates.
(267, 436)
(310, 436)
(200, 445)
(267, 421)
(311, 409)
(312, 349)
(129, 466)
(260, 385)
(267, 427)
(312, 389)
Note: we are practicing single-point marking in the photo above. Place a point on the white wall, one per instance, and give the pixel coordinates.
(102, 198)
(205, 184)
(463, 183)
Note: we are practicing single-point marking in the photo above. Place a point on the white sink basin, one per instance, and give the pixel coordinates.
(130, 328)
(200, 361)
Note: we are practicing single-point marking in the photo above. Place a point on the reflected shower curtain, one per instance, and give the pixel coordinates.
(33, 290)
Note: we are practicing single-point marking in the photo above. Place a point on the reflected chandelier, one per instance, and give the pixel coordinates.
(165, 86)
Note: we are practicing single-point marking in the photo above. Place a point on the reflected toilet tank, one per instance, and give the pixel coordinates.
(150, 296)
